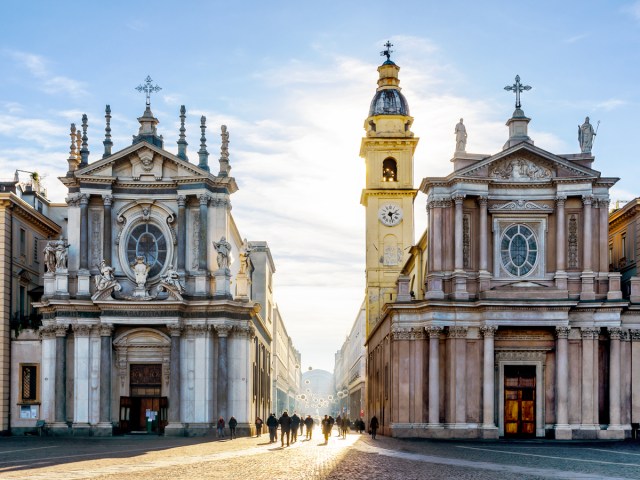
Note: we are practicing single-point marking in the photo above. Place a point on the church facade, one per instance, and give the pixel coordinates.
(504, 319)
(156, 313)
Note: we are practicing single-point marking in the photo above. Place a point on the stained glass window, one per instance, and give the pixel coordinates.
(147, 241)
(518, 250)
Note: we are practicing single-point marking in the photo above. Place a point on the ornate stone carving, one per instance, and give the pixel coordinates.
(224, 251)
(170, 282)
(433, 331)
(635, 335)
(562, 332)
(81, 330)
(223, 330)
(121, 221)
(411, 333)
(466, 242)
(521, 205)
(105, 283)
(587, 200)
(182, 200)
(96, 244)
(615, 333)
(247, 331)
(519, 169)
(175, 329)
(573, 241)
(589, 333)
(436, 201)
(521, 355)
(61, 330)
(203, 199)
(107, 200)
(482, 201)
(560, 200)
(604, 203)
(457, 332)
(196, 240)
(47, 331)
(106, 329)
(458, 198)
(488, 330)
(56, 255)
(171, 222)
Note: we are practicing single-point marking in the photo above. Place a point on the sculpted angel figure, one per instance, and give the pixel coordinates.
(224, 250)
(61, 254)
(172, 279)
(141, 270)
(50, 256)
(245, 251)
(106, 278)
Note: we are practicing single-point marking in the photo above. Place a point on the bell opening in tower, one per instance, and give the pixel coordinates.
(389, 170)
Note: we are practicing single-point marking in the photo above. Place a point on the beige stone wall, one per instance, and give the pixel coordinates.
(5, 312)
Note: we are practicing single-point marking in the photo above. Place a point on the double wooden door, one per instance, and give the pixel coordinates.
(519, 400)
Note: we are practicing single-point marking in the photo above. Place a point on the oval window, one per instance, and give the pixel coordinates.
(518, 250)
(147, 241)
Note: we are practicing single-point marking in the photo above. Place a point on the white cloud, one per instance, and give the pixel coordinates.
(576, 38)
(610, 104)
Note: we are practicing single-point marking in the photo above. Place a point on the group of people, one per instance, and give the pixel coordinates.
(289, 426)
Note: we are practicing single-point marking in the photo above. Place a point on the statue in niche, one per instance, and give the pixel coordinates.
(461, 137)
(61, 254)
(586, 136)
(245, 251)
(224, 250)
(141, 270)
(50, 256)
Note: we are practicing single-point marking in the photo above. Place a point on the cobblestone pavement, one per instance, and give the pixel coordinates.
(356, 457)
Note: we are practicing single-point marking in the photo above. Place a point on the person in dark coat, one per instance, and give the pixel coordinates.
(258, 426)
(327, 424)
(308, 423)
(373, 426)
(233, 423)
(295, 424)
(220, 427)
(272, 423)
(338, 421)
(285, 427)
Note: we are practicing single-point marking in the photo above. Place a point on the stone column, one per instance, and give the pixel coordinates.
(459, 337)
(182, 233)
(603, 205)
(488, 390)
(589, 396)
(483, 264)
(61, 375)
(106, 230)
(434, 276)
(48, 372)
(458, 260)
(614, 378)
(106, 330)
(561, 238)
(223, 332)
(204, 247)
(588, 292)
(563, 430)
(434, 375)
(81, 382)
(84, 232)
(174, 427)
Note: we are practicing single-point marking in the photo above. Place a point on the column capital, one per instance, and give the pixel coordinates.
(483, 200)
(587, 200)
(457, 332)
(433, 331)
(175, 329)
(562, 332)
(199, 329)
(182, 201)
(615, 333)
(107, 200)
(84, 199)
(245, 331)
(47, 331)
(61, 330)
(106, 329)
(458, 198)
(489, 331)
(204, 199)
(560, 200)
(589, 333)
(604, 203)
(81, 330)
(223, 330)
(634, 335)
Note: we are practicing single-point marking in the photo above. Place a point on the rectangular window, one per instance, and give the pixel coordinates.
(623, 246)
(23, 242)
(35, 250)
(29, 383)
(22, 299)
(610, 256)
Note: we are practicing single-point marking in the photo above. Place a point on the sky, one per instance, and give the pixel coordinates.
(293, 82)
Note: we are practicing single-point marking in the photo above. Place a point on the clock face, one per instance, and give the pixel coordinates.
(390, 215)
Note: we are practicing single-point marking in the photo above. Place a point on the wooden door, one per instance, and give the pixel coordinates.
(519, 400)
(125, 414)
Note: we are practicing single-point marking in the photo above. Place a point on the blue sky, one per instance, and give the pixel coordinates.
(293, 82)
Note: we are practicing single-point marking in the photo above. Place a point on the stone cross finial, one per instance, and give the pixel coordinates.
(84, 151)
(387, 52)
(202, 153)
(148, 89)
(182, 142)
(518, 88)
(224, 151)
(107, 132)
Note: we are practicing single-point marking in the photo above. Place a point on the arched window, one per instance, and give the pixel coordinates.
(389, 170)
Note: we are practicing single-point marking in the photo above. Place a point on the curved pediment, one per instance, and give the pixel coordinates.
(142, 337)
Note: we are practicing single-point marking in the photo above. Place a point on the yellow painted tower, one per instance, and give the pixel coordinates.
(388, 195)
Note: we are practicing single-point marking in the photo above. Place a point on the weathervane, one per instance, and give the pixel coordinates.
(518, 88)
(387, 53)
(148, 88)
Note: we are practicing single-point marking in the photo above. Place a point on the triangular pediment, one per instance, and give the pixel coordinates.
(142, 162)
(526, 163)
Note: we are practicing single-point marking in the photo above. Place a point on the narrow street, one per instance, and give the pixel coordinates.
(356, 457)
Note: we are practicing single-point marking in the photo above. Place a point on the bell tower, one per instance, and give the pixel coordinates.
(389, 194)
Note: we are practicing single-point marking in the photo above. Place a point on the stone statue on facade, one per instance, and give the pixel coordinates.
(50, 256)
(62, 254)
(141, 270)
(461, 137)
(586, 135)
(224, 251)
(170, 282)
(105, 282)
(245, 251)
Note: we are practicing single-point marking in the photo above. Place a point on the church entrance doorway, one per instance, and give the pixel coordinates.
(145, 410)
(519, 400)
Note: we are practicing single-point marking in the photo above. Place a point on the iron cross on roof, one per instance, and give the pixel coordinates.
(148, 88)
(388, 51)
(518, 88)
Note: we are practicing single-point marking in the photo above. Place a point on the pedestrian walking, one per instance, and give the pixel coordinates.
(327, 424)
(285, 427)
(373, 426)
(272, 424)
(233, 423)
(338, 422)
(258, 426)
(345, 426)
(295, 424)
(301, 424)
(220, 427)
(308, 423)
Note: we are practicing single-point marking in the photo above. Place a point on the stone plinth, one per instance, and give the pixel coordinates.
(587, 292)
(242, 287)
(200, 284)
(84, 284)
(614, 293)
(404, 294)
(635, 289)
(174, 430)
(62, 283)
(223, 283)
(49, 284)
